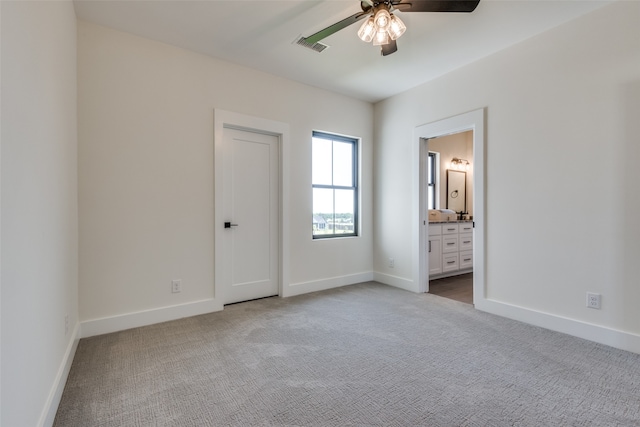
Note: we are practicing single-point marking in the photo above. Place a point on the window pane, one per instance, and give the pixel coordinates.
(322, 211)
(431, 197)
(432, 180)
(321, 166)
(344, 218)
(343, 164)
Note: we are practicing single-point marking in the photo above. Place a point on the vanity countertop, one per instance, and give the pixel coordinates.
(451, 222)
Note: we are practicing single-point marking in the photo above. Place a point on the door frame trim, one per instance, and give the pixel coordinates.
(475, 121)
(229, 119)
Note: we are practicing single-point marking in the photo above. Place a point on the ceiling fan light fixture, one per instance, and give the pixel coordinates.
(367, 30)
(381, 38)
(396, 27)
(381, 26)
(382, 19)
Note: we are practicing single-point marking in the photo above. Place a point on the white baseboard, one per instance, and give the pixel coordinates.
(53, 401)
(612, 337)
(122, 322)
(395, 281)
(324, 284)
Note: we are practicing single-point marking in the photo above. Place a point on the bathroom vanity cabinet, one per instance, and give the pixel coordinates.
(450, 248)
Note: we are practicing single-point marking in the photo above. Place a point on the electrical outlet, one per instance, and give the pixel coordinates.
(66, 324)
(593, 300)
(176, 286)
(392, 263)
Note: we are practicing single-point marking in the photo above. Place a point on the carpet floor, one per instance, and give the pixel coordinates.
(361, 355)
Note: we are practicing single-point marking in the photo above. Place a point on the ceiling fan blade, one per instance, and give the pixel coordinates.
(332, 29)
(389, 48)
(435, 5)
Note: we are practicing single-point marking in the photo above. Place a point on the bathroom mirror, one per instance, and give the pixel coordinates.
(456, 190)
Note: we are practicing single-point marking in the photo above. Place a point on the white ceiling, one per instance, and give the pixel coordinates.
(260, 34)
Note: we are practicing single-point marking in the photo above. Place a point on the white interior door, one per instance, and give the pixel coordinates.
(251, 201)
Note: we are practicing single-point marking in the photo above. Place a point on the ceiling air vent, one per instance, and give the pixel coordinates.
(318, 47)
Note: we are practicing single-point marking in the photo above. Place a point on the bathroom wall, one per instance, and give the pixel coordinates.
(458, 145)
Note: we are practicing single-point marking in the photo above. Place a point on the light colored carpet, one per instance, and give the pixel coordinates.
(362, 355)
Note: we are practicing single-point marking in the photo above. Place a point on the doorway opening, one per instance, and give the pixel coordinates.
(460, 200)
(449, 186)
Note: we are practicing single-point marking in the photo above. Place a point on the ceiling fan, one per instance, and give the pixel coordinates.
(382, 27)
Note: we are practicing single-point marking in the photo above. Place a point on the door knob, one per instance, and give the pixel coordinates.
(229, 225)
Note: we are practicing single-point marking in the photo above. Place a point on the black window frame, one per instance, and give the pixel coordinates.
(354, 187)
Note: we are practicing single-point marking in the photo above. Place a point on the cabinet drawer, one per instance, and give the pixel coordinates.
(466, 259)
(435, 230)
(449, 228)
(450, 262)
(465, 242)
(449, 244)
(465, 227)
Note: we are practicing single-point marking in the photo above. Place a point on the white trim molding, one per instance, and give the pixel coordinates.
(395, 281)
(55, 395)
(122, 322)
(612, 337)
(329, 283)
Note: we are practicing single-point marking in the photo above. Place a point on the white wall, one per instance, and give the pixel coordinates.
(39, 208)
(458, 145)
(561, 173)
(146, 178)
(0, 215)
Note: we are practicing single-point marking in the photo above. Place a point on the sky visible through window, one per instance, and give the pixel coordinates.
(332, 165)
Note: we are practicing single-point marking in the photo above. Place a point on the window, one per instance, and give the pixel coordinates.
(335, 185)
(431, 181)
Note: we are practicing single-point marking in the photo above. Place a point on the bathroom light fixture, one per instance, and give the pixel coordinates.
(382, 27)
(460, 164)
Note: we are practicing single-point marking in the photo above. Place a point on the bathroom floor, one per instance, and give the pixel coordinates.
(459, 288)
